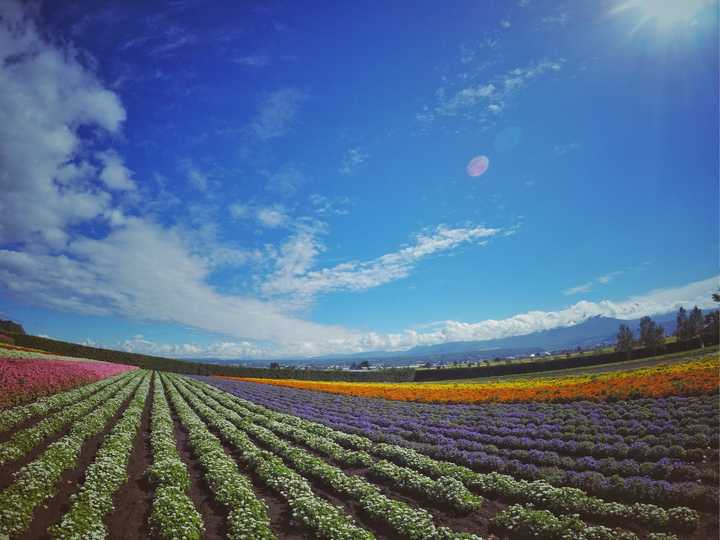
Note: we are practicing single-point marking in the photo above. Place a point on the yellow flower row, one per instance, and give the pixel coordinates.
(690, 377)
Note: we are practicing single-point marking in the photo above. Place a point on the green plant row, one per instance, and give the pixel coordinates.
(446, 491)
(104, 476)
(11, 417)
(37, 481)
(323, 519)
(25, 440)
(526, 523)
(404, 520)
(248, 515)
(562, 500)
(173, 515)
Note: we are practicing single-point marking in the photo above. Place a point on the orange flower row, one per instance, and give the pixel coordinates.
(684, 378)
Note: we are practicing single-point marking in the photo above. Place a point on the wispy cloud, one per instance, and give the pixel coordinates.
(655, 302)
(602, 280)
(253, 60)
(353, 158)
(563, 149)
(277, 113)
(559, 19)
(482, 102)
(267, 216)
(285, 181)
(293, 274)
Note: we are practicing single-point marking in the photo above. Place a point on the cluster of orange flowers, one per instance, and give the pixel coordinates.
(690, 377)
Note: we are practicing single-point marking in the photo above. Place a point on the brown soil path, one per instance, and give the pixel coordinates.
(53, 509)
(133, 501)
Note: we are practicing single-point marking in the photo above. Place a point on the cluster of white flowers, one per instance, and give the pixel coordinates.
(11, 417)
(324, 519)
(248, 515)
(173, 514)
(105, 475)
(26, 439)
(37, 481)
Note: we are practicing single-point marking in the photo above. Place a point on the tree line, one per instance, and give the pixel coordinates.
(652, 335)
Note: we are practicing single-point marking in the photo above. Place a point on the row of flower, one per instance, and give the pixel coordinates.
(320, 438)
(691, 377)
(349, 416)
(104, 476)
(24, 440)
(663, 433)
(320, 517)
(173, 513)
(25, 379)
(38, 481)
(42, 406)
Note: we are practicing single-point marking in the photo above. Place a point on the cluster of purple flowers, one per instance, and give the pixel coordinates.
(663, 451)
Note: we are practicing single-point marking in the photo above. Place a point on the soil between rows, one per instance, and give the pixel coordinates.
(10, 467)
(132, 503)
(53, 509)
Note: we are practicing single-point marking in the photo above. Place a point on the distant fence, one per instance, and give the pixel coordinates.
(197, 368)
(541, 365)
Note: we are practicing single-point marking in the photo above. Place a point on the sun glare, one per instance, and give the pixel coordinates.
(664, 14)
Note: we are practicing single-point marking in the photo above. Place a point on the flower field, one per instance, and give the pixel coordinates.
(692, 377)
(144, 454)
(25, 375)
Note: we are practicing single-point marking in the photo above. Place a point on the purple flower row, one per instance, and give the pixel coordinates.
(401, 424)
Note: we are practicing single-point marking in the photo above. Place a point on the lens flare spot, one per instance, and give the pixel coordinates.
(478, 165)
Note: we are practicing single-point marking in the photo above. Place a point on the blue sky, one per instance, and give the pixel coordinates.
(276, 179)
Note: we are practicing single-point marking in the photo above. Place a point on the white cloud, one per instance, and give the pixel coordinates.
(271, 217)
(46, 96)
(114, 173)
(602, 280)
(294, 277)
(197, 179)
(277, 113)
(253, 60)
(560, 19)
(483, 102)
(353, 158)
(286, 181)
(267, 216)
(505, 23)
(562, 149)
(142, 271)
(655, 302)
(585, 287)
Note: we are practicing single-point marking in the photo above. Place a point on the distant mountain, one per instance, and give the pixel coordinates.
(587, 334)
(590, 333)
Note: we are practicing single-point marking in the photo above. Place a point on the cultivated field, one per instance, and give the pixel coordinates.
(142, 454)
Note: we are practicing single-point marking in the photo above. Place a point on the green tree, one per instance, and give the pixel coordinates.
(651, 334)
(625, 340)
(681, 324)
(696, 325)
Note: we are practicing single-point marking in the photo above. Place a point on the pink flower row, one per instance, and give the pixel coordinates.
(23, 380)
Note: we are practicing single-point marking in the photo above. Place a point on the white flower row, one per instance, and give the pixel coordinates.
(323, 519)
(405, 521)
(104, 476)
(37, 481)
(12, 417)
(173, 516)
(248, 516)
(25, 440)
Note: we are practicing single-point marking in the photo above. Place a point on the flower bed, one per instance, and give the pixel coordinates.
(26, 379)
(692, 377)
